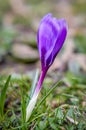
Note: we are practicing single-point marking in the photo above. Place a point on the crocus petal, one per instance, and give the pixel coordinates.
(62, 36)
(47, 36)
(46, 17)
(51, 36)
(59, 42)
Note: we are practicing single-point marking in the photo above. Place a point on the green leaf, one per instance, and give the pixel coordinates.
(52, 123)
(3, 96)
(23, 108)
(59, 113)
(70, 113)
(43, 124)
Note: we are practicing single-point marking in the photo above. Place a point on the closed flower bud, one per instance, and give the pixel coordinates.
(51, 36)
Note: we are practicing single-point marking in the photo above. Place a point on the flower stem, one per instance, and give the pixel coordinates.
(40, 81)
(33, 100)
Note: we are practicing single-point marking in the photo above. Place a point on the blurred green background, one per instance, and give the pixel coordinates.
(19, 21)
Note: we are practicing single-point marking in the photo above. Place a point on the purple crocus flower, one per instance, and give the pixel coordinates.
(50, 37)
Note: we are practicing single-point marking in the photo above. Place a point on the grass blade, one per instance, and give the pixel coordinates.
(23, 108)
(50, 91)
(3, 96)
